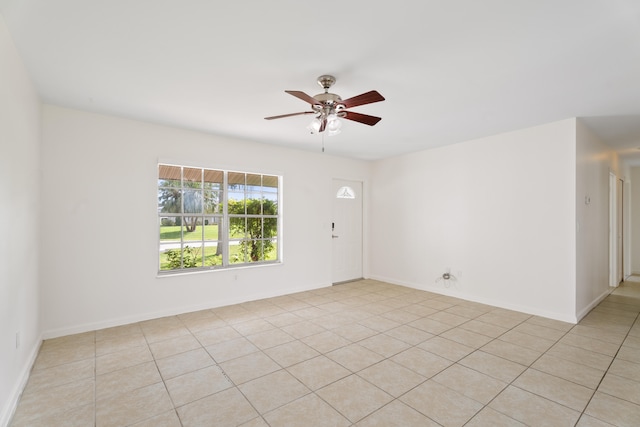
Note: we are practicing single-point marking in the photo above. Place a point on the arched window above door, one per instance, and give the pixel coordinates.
(346, 193)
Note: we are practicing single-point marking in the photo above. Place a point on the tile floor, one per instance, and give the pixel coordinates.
(361, 354)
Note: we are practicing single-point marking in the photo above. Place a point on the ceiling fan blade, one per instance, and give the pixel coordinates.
(301, 95)
(365, 98)
(289, 115)
(362, 118)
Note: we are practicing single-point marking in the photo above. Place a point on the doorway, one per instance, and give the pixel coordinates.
(346, 231)
(616, 227)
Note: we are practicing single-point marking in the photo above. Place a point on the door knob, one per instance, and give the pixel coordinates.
(333, 236)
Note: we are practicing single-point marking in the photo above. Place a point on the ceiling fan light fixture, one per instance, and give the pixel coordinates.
(333, 124)
(314, 126)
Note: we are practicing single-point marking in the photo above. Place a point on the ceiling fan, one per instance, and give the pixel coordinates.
(329, 107)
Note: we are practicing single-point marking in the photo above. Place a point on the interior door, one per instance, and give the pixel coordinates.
(619, 234)
(346, 230)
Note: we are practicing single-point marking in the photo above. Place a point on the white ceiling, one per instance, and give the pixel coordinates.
(450, 70)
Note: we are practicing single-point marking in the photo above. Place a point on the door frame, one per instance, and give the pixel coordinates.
(361, 245)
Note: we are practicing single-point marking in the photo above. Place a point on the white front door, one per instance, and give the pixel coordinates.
(346, 230)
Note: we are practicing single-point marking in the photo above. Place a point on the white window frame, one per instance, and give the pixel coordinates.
(223, 224)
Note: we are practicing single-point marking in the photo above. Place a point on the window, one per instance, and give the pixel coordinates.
(210, 219)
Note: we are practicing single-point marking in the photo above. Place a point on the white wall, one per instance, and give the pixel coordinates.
(99, 207)
(498, 211)
(19, 174)
(594, 161)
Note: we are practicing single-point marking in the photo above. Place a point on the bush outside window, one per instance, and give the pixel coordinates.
(211, 219)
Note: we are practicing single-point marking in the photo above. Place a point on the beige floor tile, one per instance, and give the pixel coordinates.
(531, 342)
(626, 369)
(501, 320)
(354, 397)
(166, 419)
(396, 354)
(631, 341)
(488, 417)
(409, 334)
(598, 334)
(470, 383)
(291, 353)
(568, 370)
(537, 330)
(49, 403)
(325, 342)
(591, 344)
(204, 323)
(443, 405)
(270, 338)
(396, 414)
(231, 349)
(483, 328)
(379, 323)
(533, 410)
(226, 408)
(354, 332)
(132, 407)
(318, 372)
(196, 385)
(623, 388)
(76, 417)
(249, 367)
(61, 374)
(555, 389)
(589, 421)
(401, 316)
(584, 357)
(494, 366)
(513, 352)
(253, 326)
(436, 304)
(355, 357)
(303, 329)
(63, 353)
(430, 325)
(615, 411)
(392, 377)
(256, 422)
(122, 359)
(119, 343)
(183, 363)
(127, 379)
(466, 337)
(284, 319)
(630, 354)
(209, 337)
(155, 335)
(446, 348)
(384, 345)
(467, 311)
(173, 346)
(309, 410)
(119, 331)
(421, 361)
(272, 391)
(448, 318)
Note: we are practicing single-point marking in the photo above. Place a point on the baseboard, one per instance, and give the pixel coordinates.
(594, 303)
(10, 405)
(94, 326)
(495, 303)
